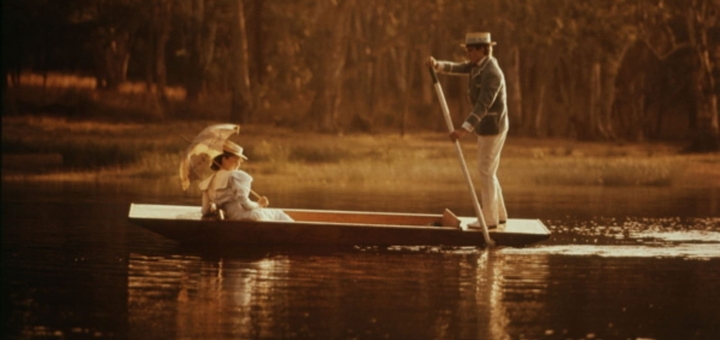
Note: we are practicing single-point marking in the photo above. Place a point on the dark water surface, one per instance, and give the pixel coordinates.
(621, 264)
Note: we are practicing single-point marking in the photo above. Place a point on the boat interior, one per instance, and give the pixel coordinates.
(447, 219)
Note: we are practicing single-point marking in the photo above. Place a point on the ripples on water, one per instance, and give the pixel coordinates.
(80, 270)
(689, 238)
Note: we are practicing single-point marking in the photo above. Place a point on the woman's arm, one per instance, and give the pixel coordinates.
(240, 182)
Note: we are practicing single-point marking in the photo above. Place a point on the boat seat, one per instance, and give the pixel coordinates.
(449, 219)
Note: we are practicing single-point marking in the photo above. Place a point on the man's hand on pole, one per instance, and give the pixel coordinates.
(431, 62)
(457, 134)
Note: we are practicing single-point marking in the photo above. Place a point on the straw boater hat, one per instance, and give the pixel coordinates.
(228, 147)
(234, 149)
(478, 38)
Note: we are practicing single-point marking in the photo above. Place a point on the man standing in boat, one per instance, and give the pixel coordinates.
(488, 118)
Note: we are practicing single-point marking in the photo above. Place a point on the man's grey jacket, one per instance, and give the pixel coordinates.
(487, 94)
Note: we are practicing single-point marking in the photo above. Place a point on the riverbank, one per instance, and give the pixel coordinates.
(57, 149)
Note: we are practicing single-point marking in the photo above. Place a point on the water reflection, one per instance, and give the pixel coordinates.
(641, 270)
(688, 238)
(196, 298)
(467, 294)
(686, 251)
(538, 202)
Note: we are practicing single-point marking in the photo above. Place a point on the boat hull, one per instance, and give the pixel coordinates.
(319, 227)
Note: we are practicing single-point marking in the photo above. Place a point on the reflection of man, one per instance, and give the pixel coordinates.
(488, 118)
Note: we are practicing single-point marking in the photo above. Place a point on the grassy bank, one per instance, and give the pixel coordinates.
(56, 149)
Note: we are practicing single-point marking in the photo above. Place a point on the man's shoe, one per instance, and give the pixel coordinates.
(476, 225)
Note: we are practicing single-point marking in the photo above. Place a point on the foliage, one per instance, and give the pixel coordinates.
(606, 70)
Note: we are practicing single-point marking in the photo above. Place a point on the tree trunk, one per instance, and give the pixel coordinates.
(593, 118)
(539, 112)
(149, 48)
(203, 30)
(607, 101)
(112, 53)
(539, 72)
(327, 80)
(258, 49)
(514, 88)
(610, 71)
(571, 96)
(410, 67)
(163, 11)
(241, 109)
(707, 135)
(527, 84)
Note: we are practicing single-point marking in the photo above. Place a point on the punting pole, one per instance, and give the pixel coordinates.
(471, 188)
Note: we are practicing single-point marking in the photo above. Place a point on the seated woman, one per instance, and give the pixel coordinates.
(229, 190)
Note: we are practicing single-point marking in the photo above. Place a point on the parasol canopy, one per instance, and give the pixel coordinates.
(199, 155)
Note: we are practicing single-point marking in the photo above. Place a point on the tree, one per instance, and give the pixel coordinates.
(161, 26)
(701, 18)
(201, 26)
(115, 25)
(328, 51)
(572, 68)
(241, 107)
(607, 33)
(534, 37)
(259, 43)
(693, 26)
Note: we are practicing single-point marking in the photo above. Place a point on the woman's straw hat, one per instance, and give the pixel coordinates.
(234, 149)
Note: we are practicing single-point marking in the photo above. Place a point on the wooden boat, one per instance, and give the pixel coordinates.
(185, 224)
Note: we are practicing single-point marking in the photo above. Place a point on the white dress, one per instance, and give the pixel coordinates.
(230, 191)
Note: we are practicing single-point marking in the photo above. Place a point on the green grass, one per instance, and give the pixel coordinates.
(118, 151)
(598, 171)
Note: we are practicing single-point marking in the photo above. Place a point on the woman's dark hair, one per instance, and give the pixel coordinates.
(217, 161)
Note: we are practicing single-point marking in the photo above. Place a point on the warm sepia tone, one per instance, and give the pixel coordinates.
(612, 71)
(613, 149)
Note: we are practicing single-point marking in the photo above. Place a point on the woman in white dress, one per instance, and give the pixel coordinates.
(229, 189)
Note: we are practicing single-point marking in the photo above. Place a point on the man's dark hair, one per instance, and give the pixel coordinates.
(485, 47)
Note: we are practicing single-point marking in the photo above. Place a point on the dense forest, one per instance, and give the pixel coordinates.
(615, 70)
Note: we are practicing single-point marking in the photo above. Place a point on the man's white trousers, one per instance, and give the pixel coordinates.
(488, 161)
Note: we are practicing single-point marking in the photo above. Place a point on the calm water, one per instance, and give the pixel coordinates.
(622, 264)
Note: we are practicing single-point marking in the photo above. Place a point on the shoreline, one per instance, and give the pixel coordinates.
(44, 149)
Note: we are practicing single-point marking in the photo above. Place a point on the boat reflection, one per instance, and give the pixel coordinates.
(446, 295)
(189, 296)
